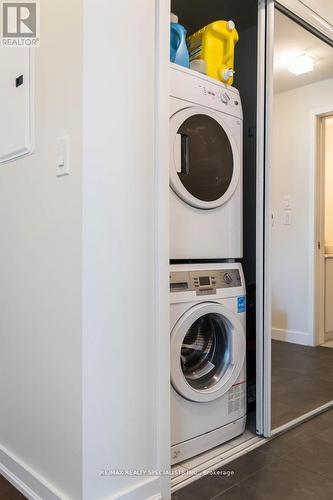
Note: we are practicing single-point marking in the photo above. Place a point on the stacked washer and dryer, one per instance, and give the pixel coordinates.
(207, 299)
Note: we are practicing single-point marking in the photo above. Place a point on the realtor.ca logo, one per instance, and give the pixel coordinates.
(19, 24)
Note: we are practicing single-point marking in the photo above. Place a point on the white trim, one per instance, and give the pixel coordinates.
(303, 338)
(26, 480)
(267, 397)
(260, 218)
(302, 418)
(162, 250)
(148, 488)
(308, 15)
(222, 458)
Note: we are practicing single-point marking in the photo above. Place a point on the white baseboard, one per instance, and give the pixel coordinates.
(149, 489)
(302, 338)
(28, 482)
(328, 336)
(33, 487)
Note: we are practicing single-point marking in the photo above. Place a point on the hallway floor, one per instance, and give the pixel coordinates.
(8, 492)
(302, 380)
(297, 465)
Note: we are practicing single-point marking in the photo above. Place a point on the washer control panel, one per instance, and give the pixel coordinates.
(204, 282)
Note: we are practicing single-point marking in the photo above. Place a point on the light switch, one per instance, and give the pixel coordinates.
(287, 202)
(62, 162)
(287, 217)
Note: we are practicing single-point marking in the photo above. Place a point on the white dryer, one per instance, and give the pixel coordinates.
(208, 357)
(206, 135)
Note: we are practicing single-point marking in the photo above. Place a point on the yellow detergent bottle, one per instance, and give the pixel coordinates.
(215, 45)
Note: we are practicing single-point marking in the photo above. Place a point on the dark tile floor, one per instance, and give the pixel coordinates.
(302, 380)
(8, 492)
(297, 465)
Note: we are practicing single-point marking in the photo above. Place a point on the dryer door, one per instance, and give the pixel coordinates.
(204, 158)
(207, 352)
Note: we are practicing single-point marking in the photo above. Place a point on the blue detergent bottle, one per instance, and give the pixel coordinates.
(178, 48)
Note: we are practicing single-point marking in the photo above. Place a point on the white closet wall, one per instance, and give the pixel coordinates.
(120, 376)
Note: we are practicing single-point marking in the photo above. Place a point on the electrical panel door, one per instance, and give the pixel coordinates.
(15, 103)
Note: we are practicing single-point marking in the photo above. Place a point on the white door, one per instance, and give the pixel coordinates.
(208, 349)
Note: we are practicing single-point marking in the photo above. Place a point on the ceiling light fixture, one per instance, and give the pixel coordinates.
(301, 64)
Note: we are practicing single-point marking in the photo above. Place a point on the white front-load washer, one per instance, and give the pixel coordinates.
(206, 135)
(208, 356)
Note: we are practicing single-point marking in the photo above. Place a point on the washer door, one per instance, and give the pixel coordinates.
(207, 352)
(204, 158)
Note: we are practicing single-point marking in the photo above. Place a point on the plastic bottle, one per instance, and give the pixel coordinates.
(215, 44)
(178, 48)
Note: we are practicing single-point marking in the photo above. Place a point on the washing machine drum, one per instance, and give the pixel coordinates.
(204, 158)
(207, 352)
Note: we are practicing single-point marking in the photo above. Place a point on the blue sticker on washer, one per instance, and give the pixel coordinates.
(241, 304)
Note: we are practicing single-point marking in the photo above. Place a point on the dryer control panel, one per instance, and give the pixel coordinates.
(204, 282)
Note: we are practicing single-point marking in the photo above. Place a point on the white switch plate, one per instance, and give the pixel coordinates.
(62, 156)
(287, 217)
(287, 202)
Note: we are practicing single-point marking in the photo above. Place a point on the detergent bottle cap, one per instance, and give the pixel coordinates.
(230, 25)
(227, 73)
(173, 18)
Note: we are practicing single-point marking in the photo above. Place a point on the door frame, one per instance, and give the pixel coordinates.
(317, 206)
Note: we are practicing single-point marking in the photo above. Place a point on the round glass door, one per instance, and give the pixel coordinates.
(207, 352)
(205, 161)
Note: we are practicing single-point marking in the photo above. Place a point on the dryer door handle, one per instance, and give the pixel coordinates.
(185, 154)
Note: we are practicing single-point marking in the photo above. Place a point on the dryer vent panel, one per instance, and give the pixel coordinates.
(15, 103)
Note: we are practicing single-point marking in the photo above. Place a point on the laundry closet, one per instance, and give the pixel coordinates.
(212, 230)
(227, 392)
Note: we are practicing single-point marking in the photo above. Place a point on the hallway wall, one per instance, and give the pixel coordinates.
(40, 273)
(291, 292)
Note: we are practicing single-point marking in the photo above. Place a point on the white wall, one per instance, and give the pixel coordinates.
(291, 294)
(119, 333)
(40, 273)
(329, 182)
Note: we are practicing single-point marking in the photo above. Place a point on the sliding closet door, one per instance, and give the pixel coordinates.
(265, 57)
(267, 225)
(296, 369)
